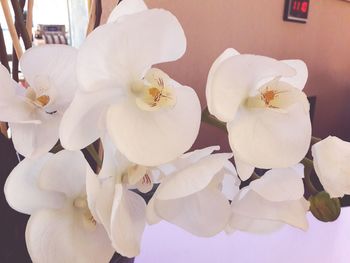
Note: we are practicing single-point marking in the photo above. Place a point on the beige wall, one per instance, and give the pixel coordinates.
(256, 26)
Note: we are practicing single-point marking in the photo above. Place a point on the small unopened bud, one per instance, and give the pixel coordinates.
(324, 208)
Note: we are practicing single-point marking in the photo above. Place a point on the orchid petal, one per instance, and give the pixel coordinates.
(54, 64)
(299, 80)
(163, 134)
(192, 179)
(126, 8)
(235, 77)
(84, 120)
(269, 138)
(58, 236)
(22, 191)
(230, 52)
(244, 169)
(65, 173)
(127, 222)
(331, 162)
(144, 39)
(33, 140)
(253, 205)
(204, 213)
(279, 185)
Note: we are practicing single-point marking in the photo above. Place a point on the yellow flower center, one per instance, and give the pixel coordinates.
(81, 204)
(42, 101)
(155, 92)
(268, 96)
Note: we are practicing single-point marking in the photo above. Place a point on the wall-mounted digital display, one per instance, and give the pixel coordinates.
(296, 10)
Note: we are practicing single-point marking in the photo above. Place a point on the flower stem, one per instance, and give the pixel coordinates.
(212, 120)
(308, 168)
(94, 154)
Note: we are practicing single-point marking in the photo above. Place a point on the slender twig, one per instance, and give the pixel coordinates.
(98, 13)
(212, 120)
(3, 52)
(94, 154)
(18, 10)
(29, 20)
(308, 169)
(11, 27)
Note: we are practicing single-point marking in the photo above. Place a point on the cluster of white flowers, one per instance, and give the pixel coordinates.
(146, 121)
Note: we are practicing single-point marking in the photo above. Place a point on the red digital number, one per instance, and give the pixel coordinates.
(304, 7)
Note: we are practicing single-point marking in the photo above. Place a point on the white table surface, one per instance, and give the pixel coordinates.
(322, 243)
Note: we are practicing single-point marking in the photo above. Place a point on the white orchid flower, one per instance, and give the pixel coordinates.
(331, 161)
(61, 227)
(151, 118)
(116, 206)
(270, 202)
(267, 113)
(196, 196)
(34, 114)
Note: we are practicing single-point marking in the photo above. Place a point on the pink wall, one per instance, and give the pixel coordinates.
(257, 27)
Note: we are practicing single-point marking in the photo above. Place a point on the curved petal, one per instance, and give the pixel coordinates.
(53, 63)
(58, 236)
(143, 39)
(252, 225)
(84, 120)
(230, 52)
(15, 109)
(93, 188)
(205, 213)
(331, 162)
(192, 179)
(22, 190)
(6, 84)
(126, 8)
(104, 203)
(163, 134)
(151, 214)
(65, 172)
(299, 80)
(32, 140)
(244, 170)
(235, 77)
(279, 185)
(128, 222)
(268, 138)
(254, 206)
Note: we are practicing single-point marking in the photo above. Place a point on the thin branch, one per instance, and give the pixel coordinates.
(3, 52)
(212, 120)
(308, 169)
(18, 10)
(29, 20)
(11, 27)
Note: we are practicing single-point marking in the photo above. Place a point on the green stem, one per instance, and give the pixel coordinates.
(94, 154)
(308, 168)
(255, 176)
(315, 140)
(212, 120)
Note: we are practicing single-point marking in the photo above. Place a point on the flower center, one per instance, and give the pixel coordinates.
(81, 205)
(42, 101)
(155, 92)
(267, 96)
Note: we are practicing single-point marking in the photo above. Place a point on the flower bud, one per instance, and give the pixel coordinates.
(324, 208)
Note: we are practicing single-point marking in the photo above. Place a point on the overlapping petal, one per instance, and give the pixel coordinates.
(275, 198)
(122, 51)
(53, 65)
(270, 138)
(58, 236)
(232, 79)
(22, 190)
(65, 173)
(84, 120)
(33, 140)
(127, 222)
(126, 8)
(163, 135)
(331, 162)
